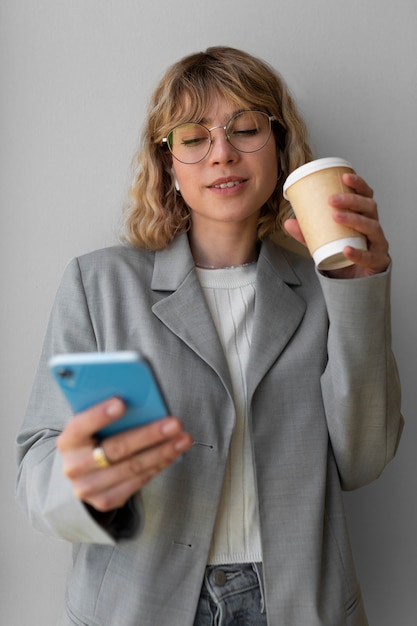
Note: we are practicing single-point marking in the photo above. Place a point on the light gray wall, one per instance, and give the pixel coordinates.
(75, 79)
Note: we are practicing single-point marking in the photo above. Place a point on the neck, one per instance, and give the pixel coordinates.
(223, 251)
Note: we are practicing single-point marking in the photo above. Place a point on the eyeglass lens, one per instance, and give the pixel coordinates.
(247, 132)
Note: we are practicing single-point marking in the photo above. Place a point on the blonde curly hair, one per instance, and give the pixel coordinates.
(155, 212)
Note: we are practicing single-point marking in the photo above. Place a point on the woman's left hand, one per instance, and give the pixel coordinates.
(357, 210)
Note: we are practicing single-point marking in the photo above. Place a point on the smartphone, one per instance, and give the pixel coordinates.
(88, 378)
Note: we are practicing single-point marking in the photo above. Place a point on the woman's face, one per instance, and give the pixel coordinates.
(227, 185)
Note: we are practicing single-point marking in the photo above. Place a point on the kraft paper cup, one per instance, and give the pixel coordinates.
(308, 189)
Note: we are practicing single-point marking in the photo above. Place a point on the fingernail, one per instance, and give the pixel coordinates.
(339, 214)
(115, 407)
(337, 199)
(182, 444)
(170, 427)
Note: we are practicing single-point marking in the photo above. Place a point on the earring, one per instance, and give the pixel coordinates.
(176, 183)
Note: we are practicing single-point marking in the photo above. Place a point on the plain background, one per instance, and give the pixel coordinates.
(75, 79)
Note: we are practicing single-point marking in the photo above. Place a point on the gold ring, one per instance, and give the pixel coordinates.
(100, 458)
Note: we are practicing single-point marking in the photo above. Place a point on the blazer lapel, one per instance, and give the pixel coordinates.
(278, 309)
(278, 312)
(184, 310)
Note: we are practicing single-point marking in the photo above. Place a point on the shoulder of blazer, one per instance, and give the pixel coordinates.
(114, 255)
(292, 267)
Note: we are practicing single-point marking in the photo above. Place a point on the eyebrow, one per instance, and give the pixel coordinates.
(206, 121)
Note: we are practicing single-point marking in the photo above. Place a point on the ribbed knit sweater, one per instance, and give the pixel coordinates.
(230, 295)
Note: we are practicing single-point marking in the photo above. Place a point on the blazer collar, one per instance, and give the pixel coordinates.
(174, 263)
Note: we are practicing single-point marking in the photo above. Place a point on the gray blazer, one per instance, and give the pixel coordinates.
(324, 401)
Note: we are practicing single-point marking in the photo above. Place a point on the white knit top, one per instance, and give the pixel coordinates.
(230, 295)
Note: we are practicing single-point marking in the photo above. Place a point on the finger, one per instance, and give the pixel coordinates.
(137, 470)
(354, 203)
(80, 461)
(82, 428)
(367, 262)
(125, 444)
(117, 496)
(364, 224)
(376, 256)
(357, 183)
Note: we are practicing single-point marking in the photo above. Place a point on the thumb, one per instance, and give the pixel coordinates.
(293, 229)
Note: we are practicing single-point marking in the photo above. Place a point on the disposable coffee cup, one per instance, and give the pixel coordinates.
(308, 189)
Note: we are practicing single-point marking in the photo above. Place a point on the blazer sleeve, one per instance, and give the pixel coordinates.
(360, 386)
(43, 492)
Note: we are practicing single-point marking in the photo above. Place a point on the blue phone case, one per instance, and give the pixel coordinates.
(89, 378)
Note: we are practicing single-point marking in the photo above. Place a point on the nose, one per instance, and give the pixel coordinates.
(221, 150)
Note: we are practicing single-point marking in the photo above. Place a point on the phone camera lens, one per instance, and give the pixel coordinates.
(65, 373)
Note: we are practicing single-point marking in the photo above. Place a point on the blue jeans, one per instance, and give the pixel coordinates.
(232, 595)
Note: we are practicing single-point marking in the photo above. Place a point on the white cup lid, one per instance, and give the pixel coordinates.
(311, 167)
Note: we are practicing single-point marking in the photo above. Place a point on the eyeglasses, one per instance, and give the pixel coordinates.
(247, 131)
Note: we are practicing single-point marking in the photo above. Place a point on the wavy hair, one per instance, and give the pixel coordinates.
(155, 213)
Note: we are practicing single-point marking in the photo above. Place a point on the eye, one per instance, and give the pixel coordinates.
(190, 136)
(192, 141)
(245, 131)
(245, 125)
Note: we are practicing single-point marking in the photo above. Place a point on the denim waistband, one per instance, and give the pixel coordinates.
(222, 581)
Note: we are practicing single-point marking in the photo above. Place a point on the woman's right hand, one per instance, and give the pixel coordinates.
(135, 456)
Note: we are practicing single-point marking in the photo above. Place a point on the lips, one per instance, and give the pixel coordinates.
(226, 183)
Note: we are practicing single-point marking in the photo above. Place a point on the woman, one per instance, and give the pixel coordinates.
(282, 378)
